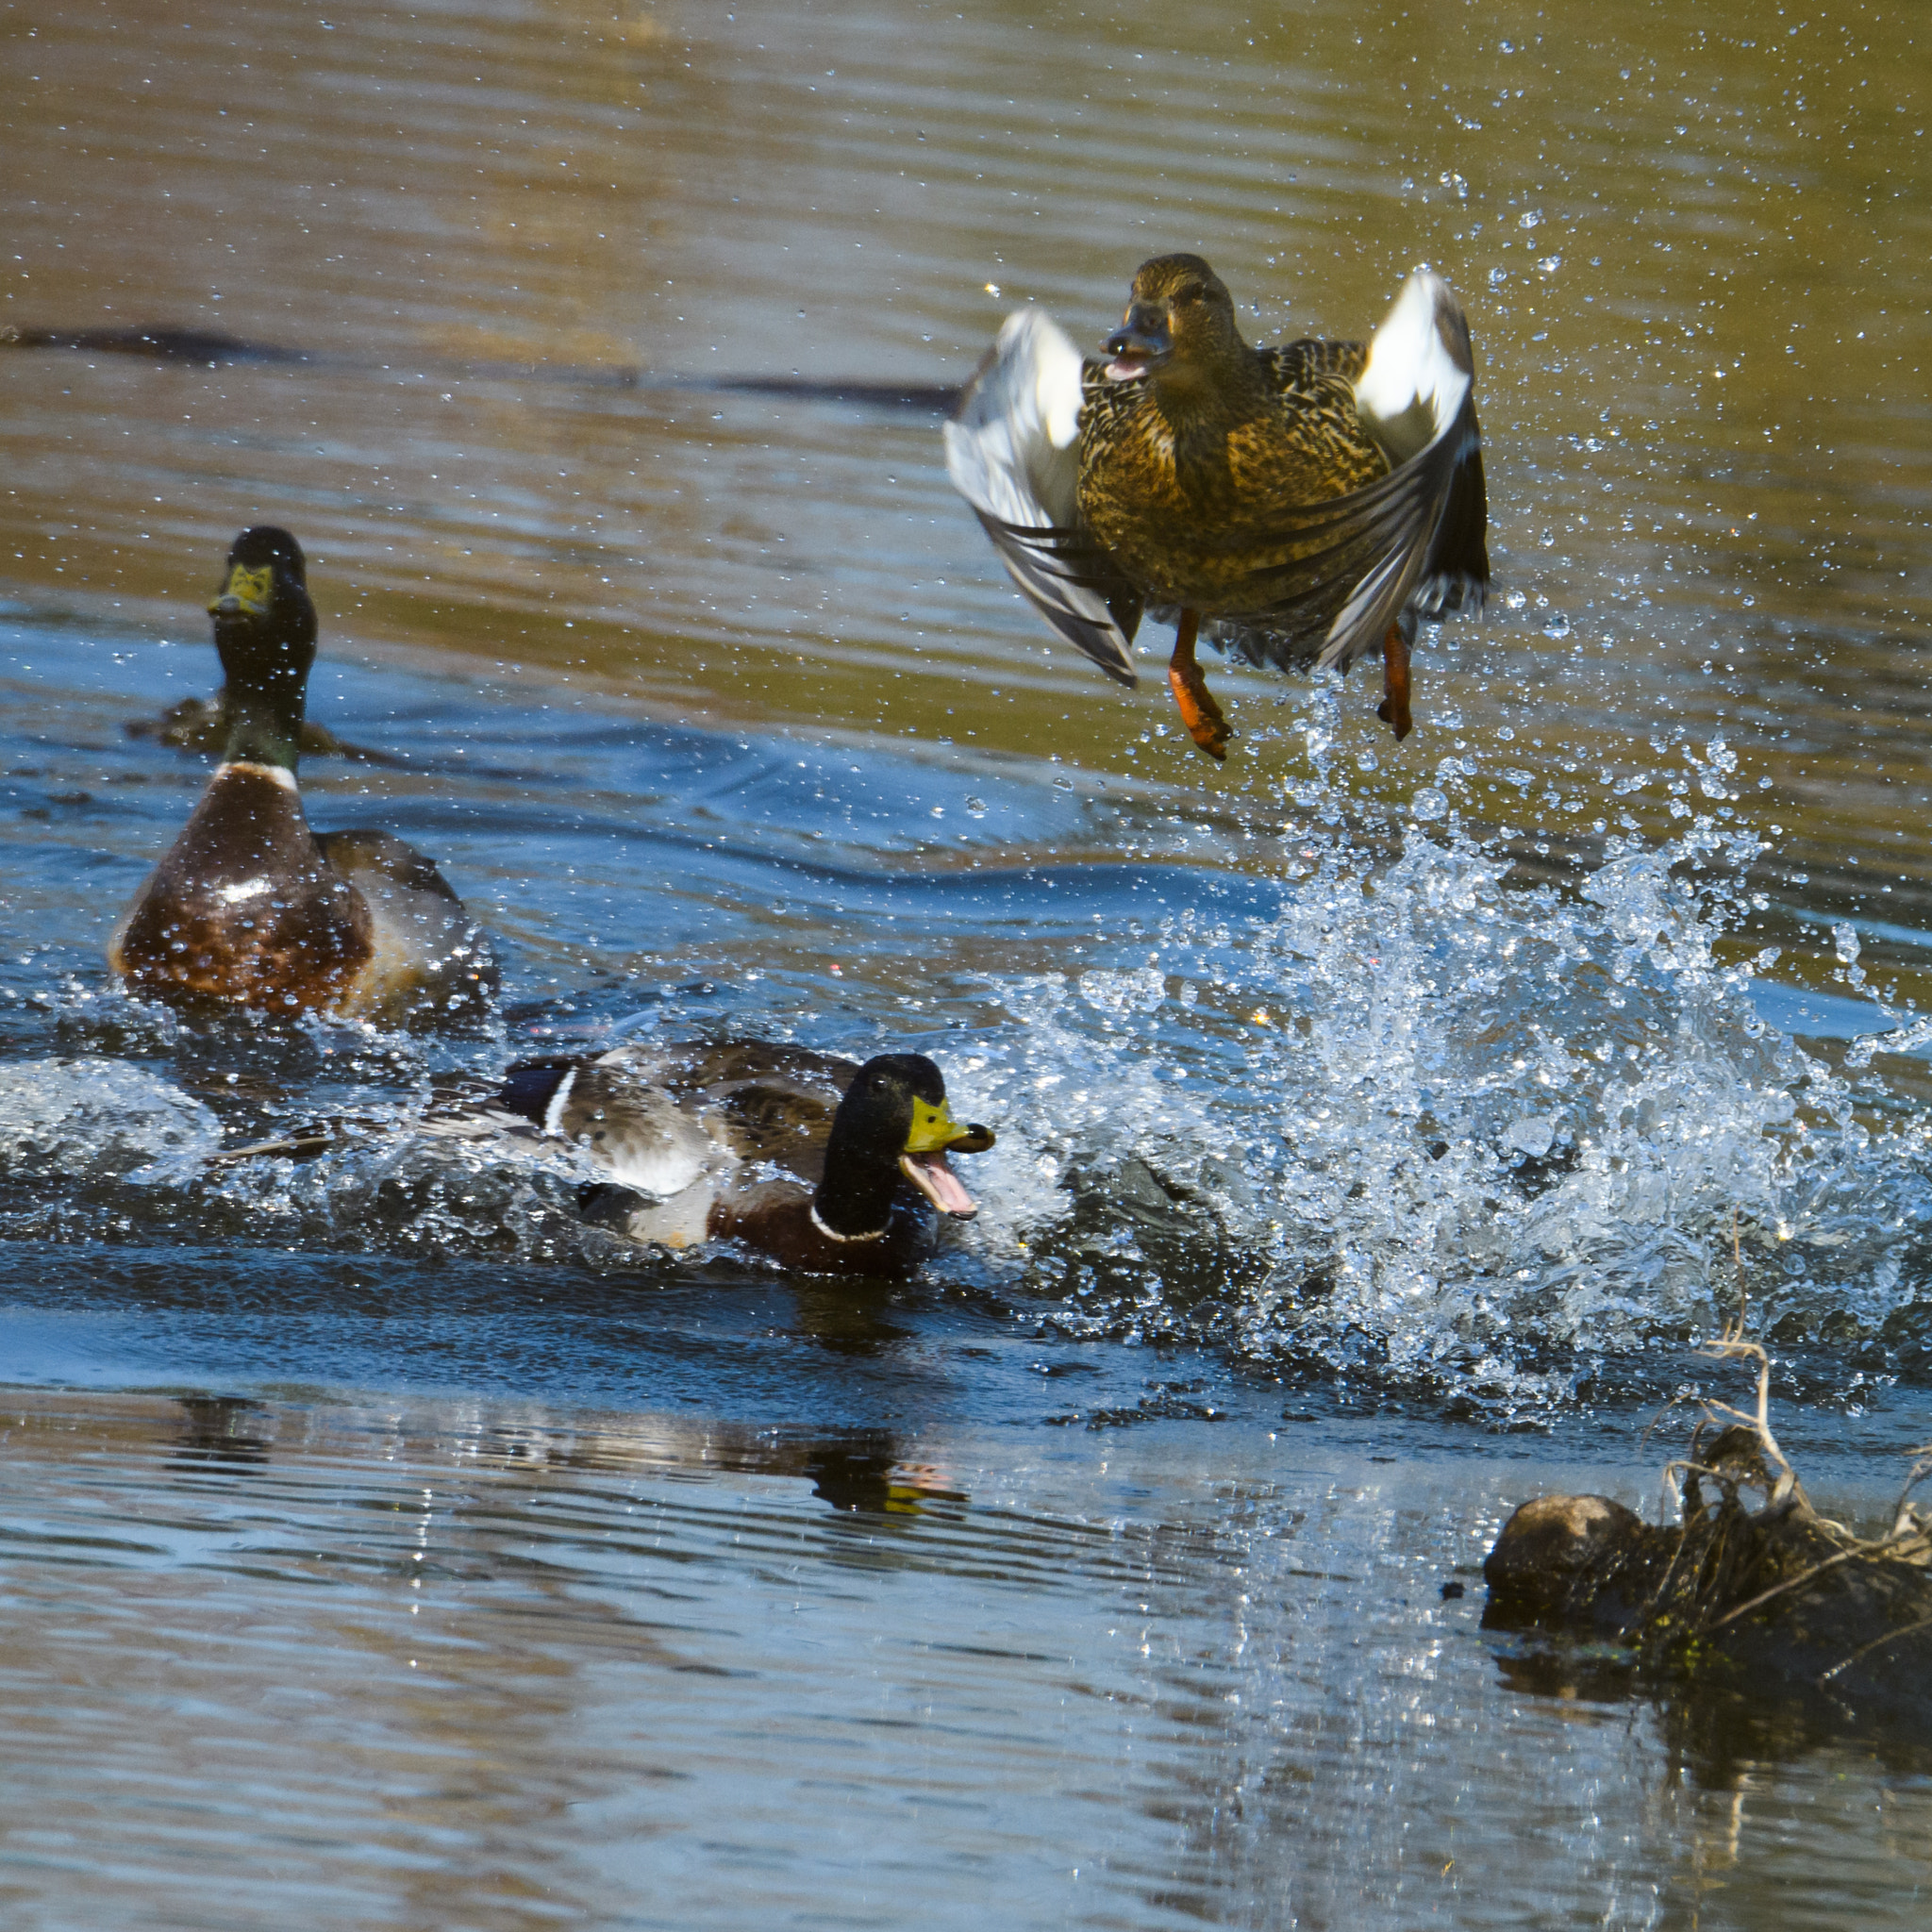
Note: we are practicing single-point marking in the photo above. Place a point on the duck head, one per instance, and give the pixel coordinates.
(893, 1124)
(265, 635)
(1179, 324)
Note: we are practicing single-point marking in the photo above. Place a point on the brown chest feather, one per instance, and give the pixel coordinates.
(775, 1219)
(244, 907)
(1182, 490)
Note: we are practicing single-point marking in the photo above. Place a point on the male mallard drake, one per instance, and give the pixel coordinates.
(1310, 501)
(822, 1165)
(251, 906)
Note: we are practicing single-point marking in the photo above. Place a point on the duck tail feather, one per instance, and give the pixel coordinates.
(1456, 576)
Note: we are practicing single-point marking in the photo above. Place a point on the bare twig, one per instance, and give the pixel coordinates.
(1733, 1347)
(1876, 1643)
(1919, 1471)
(293, 1143)
(1672, 1496)
(1738, 1265)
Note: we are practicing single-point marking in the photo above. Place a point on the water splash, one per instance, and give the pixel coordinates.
(1457, 1133)
(90, 1120)
(1420, 1126)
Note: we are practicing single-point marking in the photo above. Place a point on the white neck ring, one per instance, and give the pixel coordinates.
(832, 1234)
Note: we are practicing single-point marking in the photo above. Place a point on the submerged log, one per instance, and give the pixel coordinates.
(1778, 1599)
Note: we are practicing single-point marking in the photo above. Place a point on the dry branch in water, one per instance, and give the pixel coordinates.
(1775, 1597)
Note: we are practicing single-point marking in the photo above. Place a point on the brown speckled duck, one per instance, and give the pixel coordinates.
(249, 907)
(1311, 501)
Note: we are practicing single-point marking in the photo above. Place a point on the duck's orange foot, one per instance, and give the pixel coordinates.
(1199, 713)
(1393, 710)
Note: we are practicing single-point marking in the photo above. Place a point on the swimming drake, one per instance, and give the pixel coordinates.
(1308, 503)
(817, 1163)
(251, 907)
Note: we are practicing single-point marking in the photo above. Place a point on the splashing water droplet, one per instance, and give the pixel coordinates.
(1534, 1134)
(1489, 1144)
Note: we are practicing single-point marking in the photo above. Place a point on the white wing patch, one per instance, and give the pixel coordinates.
(1012, 451)
(1419, 370)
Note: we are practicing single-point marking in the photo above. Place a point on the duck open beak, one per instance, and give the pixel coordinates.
(935, 1133)
(930, 1174)
(1142, 344)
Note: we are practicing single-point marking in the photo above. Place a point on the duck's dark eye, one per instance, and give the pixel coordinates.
(1189, 292)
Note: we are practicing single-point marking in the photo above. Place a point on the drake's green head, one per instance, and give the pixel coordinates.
(893, 1124)
(1180, 321)
(265, 632)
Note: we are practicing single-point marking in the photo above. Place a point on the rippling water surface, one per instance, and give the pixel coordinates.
(383, 1545)
(501, 1663)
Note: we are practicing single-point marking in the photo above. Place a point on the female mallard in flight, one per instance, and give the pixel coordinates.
(1311, 501)
(822, 1165)
(249, 906)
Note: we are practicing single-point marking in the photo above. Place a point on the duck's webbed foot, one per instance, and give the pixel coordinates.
(1393, 710)
(1199, 713)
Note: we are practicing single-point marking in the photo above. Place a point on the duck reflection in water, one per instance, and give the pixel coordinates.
(1307, 503)
(217, 1430)
(856, 1471)
(851, 1318)
(869, 1475)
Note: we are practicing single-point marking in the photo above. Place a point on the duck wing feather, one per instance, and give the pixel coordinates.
(1349, 567)
(1012, 452)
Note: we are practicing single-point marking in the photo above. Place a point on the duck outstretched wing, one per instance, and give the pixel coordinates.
(1350, 566)
(1013, 453)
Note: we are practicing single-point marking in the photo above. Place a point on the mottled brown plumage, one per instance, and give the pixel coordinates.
(1190, 441)
(1305, 502)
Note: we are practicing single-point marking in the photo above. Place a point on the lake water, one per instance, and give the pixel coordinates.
(382, 1547)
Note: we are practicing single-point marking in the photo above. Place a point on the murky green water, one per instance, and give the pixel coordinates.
(383, 1548)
